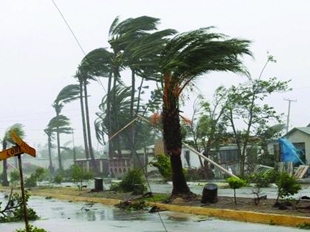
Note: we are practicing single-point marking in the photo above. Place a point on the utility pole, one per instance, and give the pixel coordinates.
(288, 113)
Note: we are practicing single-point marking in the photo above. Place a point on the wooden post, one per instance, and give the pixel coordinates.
(23, 192)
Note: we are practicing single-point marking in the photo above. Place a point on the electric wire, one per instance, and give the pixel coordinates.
(76, 39)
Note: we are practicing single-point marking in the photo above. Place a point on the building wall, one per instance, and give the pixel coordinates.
(299, 137)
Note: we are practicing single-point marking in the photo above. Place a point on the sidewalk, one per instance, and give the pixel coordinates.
(224, 190)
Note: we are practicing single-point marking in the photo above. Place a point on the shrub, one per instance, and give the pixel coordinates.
(235, 183)
(78, 175)
(162, 163)
(31, 181)
(31, 229)
(260, 180)
(58, 179)
(14, 177)
(39, 175)
(133, 182)
(287, 185)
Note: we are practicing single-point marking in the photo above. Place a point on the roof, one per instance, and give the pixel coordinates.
(305, 130)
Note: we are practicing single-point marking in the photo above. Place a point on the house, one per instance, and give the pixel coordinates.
(118, 166)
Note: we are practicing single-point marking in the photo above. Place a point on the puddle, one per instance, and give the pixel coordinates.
(59, 216)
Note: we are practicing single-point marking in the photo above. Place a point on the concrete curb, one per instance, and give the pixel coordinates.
(238, 215)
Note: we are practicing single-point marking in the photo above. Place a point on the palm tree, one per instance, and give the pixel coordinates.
(67, 94)
(185, 58)
(120, 112)
(101, 63)
(18, 129)
(135, 41)
(84, 75)
(60, 125)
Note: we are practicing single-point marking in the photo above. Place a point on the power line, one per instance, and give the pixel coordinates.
(76, 39)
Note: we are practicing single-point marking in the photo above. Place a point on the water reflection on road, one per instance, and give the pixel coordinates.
(59, 216)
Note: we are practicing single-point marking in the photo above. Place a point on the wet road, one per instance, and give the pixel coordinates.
(59, 216)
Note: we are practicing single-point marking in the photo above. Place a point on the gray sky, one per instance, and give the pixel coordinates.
(39, 56)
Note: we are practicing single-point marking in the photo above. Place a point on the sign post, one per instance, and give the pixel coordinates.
(20, 148)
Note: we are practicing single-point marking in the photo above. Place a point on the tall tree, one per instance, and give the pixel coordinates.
(84, 75)
(7, 139)
(186, 57)
(97, 63)
(246, 108)
(49, 132)
(120, 112)
(135, 41)
(60, 124)
(67, 94)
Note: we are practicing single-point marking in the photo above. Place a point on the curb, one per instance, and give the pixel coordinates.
(238, 215)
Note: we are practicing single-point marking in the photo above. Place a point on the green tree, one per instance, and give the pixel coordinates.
(185, 58)
(7, 140)
(137, 44)
(235, 183)
(78, 175)
(206, 129)
(245, 104)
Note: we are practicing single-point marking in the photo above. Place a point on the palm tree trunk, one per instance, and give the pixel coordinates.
(51, 168)
(83, 121)
(173, 144)
(91, 153)
(5, 181)
(58, 148)
(109, 116)
(134, 154)
(117, 142)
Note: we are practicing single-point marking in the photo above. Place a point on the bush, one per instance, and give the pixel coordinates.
(133, 182)
(287, 185)
(39, 175)
(162, 163)
(78, 175)
(235, 183)
(31, 181)
(14, 177)
(58, 179)
(31, 229)
(262, 179)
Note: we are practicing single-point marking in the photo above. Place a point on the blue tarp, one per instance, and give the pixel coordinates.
(288, 152)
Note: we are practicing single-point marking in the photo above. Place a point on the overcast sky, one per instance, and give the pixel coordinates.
(39, 55)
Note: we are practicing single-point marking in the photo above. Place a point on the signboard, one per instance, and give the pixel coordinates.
(23, 146)
(10, 152)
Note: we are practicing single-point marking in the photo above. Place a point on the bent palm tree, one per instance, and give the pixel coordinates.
(18, 129)
(60, 125)
(186, 57)
(67, 94)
